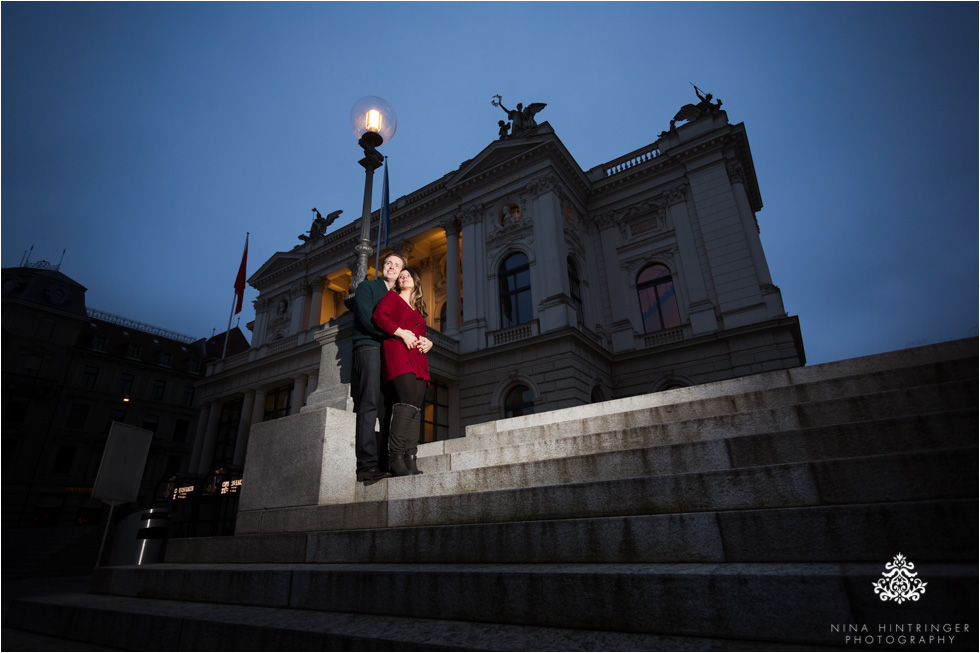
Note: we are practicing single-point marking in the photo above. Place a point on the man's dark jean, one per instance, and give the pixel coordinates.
(370, 446)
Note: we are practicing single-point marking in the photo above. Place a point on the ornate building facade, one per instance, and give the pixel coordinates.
(548, 286)
(69, 371)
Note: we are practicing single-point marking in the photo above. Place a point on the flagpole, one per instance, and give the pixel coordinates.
(381, 220)
(384, 220)
(224, 349)
(239, 295)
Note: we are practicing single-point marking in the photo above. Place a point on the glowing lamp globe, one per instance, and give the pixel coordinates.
(373, 120)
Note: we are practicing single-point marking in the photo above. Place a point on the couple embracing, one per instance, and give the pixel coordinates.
(390, 371)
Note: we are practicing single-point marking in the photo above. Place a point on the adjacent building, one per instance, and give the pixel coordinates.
(548, 286)
(69, 371)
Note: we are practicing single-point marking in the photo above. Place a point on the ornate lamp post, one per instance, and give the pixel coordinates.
(374, 122)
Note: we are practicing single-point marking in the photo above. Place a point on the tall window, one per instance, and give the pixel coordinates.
(575, 288)
(77, 415)
(224, 447)
(519, 401)
(658, 302)
(277, 403)
(435, 413)
(159, 389)
(90, 376)
(514, 277)
(125, 386)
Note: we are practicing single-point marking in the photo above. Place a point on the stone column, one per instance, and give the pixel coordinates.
(549, 274)
(210, 436)
(258, 408)
(472, 331)
(749, 224)
(451, 227)
(202, 423)
(298, 398)
(297, 304)
(244, 424)
(700, 310)
(317, 286)
(312, 381)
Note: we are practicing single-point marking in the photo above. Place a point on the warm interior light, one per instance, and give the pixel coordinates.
(373, 120)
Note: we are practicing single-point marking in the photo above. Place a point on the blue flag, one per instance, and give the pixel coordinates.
(384, 222)
(385, 208)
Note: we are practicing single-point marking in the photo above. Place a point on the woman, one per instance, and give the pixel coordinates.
(404, 368)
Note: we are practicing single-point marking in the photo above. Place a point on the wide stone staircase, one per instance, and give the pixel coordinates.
(751, 514)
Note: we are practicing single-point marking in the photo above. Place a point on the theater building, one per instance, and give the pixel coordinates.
(548, 286)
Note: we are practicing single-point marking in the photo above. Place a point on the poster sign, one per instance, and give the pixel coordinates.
(123, 460)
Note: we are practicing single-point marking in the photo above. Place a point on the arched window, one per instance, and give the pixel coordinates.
(658, 302)
(519, 401)
(575, 288)
(597, 395)
(514, 277)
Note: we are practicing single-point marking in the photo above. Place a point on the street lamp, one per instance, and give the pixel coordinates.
(374, 122)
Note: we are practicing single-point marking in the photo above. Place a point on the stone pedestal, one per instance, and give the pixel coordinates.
(300, 460)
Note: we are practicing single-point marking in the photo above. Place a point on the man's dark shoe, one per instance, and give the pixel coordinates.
(371, 474)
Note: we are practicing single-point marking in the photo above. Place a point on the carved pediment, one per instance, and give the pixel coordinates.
(279, 262)
(493, 156)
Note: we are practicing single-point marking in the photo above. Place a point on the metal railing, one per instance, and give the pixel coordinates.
(96, 314)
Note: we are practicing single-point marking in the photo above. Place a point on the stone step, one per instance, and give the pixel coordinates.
(665, 449)
(938, 363)
(779, 602)
(925, 475)
(128, 623)
(940, 531)
(780, 408)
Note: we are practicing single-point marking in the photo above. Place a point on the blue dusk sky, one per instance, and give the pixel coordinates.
(148, 138)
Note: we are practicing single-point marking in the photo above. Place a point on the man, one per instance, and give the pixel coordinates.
(370, 446)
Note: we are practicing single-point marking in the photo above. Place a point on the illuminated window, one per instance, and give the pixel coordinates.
(519, 401)
(277, 402)
(514, 277)
(658, 302)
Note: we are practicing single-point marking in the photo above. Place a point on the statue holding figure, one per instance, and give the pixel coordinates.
(692, 112)
(319, 227)
(521, 118)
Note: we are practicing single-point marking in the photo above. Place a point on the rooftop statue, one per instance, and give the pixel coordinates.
(692, 112)
(521, 118)
(319, 227)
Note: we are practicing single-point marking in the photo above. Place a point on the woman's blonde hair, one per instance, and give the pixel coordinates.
(415, 301)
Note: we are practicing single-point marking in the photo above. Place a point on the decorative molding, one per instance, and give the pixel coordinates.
(471, 214)
(736, 173)
(297, 290)
(451, 226)
(541, 185)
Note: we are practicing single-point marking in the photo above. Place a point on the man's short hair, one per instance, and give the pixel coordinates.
(397, 256)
